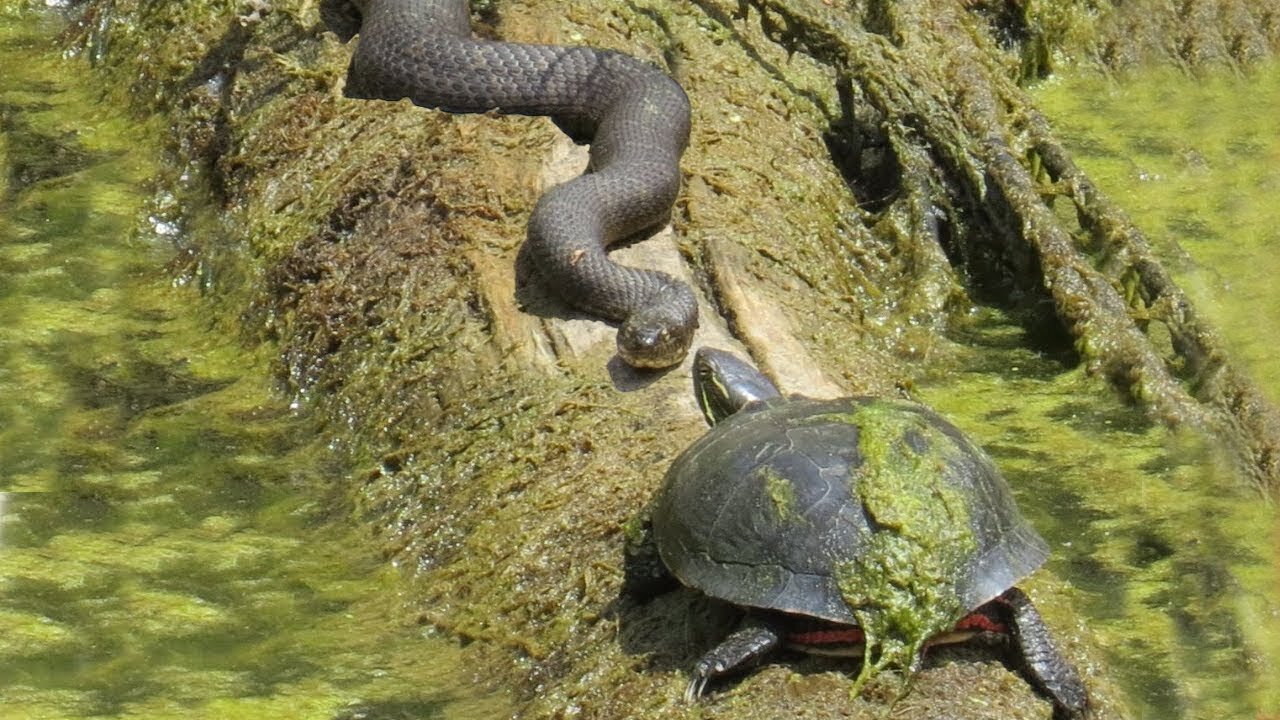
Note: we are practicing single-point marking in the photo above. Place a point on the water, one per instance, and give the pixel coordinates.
(1196, 163)
(1168, 557)
(166, 548)
(1172, 561)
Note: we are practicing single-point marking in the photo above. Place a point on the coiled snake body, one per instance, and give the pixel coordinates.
(635, 117)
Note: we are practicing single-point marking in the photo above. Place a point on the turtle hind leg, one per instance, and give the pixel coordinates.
(745, 647)
(1040, 660)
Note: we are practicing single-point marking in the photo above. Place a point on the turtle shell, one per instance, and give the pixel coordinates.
(774, 503)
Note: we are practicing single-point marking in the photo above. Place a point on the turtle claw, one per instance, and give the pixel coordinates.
(695, 688)
(708, 667)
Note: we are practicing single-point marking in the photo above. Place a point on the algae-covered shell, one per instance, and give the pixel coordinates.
(781, 503)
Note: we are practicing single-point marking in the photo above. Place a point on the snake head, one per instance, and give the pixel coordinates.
(342, 16)
(658, 334)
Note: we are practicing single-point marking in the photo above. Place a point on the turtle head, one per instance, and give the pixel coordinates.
(724, 384)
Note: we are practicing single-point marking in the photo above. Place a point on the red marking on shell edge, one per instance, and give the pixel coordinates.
(833, 636)
(982, 623)
(975, 623)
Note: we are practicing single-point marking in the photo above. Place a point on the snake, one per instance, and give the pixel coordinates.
(632, 114)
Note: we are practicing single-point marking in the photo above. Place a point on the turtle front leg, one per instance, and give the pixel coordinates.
(1042, 663)
(755, 639)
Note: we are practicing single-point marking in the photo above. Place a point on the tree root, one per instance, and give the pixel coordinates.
(977, 172)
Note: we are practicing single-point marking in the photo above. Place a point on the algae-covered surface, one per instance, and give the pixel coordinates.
(1175, 565)
(1170, 559)
(1196, 162)
(167, 537)
(902, 584)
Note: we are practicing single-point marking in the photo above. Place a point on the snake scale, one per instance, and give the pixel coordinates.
(635, 117)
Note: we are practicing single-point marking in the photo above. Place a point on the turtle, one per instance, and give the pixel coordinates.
(860, 525)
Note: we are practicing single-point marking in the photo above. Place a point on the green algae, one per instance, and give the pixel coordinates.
(1046, 35)
(781, 493)
(166, 543)
(1199, 175)
(510, 508)
(1170, 558)
(901, 586)
(1182, 562)
(504, 488)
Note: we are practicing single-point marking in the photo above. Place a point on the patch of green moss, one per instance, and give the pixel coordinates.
(781, 493)
(902, 585)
